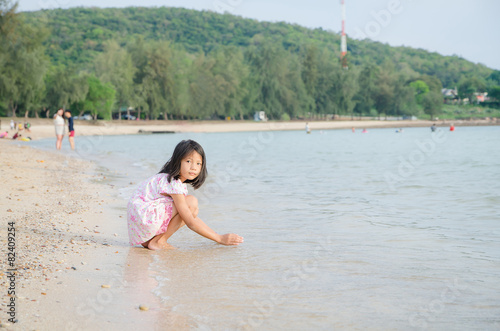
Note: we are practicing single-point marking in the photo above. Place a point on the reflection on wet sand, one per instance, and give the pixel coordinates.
(140, 288)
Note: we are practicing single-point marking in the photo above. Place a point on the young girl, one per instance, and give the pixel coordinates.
(59, 125)
(160, 205)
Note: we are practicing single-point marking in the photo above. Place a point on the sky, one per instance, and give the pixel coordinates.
(469, 29)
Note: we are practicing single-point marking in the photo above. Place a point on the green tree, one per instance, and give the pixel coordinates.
(205, 89)
(494, 78)
(137, 51)
(78, 88)
(274, 75)
(384, 92)
(65, 87)
(214, 86)
(8, 19)
(367, 86)
(230, 66)
(494, 92)
(469, 86)
(180, 68)
(268, 73)
(100, 98)
(494, 95)
(23, 68)
(326, 88)
(155, 74)
(346, 87)
(139, 100)
(298, 99)
(405, 103)
(310, 69)
(114, 66)
(433, 104)
(432, 82)
(420, 89)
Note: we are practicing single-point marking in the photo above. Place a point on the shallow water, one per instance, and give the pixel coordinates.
(380, 230)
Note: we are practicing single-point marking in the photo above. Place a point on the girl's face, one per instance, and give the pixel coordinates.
(190, 166)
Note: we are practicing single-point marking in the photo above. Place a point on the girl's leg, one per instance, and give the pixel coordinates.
(59, 141)
(160, 241)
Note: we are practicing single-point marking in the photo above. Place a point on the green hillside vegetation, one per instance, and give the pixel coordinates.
(173, 63)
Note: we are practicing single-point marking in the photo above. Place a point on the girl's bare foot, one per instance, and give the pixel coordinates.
(154, 245)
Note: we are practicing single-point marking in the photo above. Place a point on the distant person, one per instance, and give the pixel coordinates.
(27, 126)
(16, 135)
(308, 129)
(4, 134)
(353, 130)
(161, 205)
(59, 126)
(12, 124)
(433, 127)
(364, 131)
(452, 127)
(20, 126)
(71, 129)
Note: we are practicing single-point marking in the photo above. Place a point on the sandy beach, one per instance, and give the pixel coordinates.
(71, 246)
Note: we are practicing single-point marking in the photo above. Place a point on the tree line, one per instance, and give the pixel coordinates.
(173, 63)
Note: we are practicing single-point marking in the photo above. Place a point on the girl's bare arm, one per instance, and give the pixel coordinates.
(198, 226)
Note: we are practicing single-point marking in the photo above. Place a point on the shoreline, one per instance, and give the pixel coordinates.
(43, 128)
(70, 240)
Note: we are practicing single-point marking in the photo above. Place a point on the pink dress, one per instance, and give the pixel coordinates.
(149, 212)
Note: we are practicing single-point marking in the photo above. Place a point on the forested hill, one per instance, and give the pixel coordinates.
(78, 34)
(176, 63)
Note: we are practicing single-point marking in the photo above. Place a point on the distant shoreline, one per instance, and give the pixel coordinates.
(43, 128)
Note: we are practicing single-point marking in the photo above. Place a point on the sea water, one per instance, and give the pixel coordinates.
(379, 230)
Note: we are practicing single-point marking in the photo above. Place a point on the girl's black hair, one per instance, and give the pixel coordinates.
(173, 166)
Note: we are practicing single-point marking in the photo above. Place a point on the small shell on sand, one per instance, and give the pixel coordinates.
(142, 307)
(105, 286)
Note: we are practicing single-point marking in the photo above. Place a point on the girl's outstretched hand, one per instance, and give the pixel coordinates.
(231, 239)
